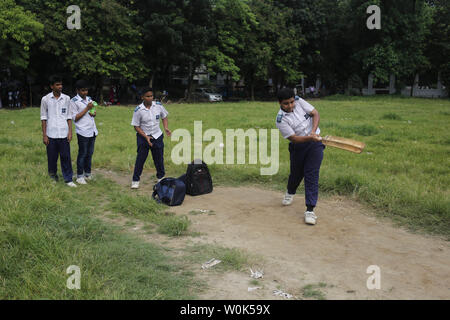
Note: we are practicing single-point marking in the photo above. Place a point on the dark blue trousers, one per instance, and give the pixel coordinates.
(306, 159)
(85, 152)
(55, 148)
(142, 153)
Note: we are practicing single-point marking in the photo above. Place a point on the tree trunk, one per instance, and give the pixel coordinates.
(415, 83)
(190, 79)
(227, 86)
(252, 88)
(167, 77)
(150, 83)
(100, 92)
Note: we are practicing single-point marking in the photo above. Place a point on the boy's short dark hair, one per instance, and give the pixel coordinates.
(146, 90)
(55, 79)
(285, 93)
(81, 84)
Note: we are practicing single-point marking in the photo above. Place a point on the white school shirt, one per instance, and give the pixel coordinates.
(86, 125)
(56, 112)
(298, 122)
(148, 119)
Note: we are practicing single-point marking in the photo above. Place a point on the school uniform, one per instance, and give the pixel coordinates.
(86, 134)
(305, 158)
(56, 111)
(149, 120)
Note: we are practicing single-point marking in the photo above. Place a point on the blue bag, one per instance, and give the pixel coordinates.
(169, 191)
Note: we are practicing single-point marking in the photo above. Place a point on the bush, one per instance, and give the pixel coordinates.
(391, 116)
(174, 225)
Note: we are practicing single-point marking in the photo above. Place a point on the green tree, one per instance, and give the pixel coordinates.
(107, 45)
(162, 26)
(398, 47)
(233, 21)
(323, 52)
(255, 40)
(196, 36)
(285, 41)
(438, 45)
(19, 29)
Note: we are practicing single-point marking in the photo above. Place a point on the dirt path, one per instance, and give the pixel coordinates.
(337, 251)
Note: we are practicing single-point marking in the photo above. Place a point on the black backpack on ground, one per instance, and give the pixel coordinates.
(169, 191)
(197, 179)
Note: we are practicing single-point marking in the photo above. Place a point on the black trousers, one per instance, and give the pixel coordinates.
(306, 159)
(85, 152)
(59, 148)
(142, 153)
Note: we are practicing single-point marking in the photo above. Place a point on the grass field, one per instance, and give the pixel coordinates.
(44, 228)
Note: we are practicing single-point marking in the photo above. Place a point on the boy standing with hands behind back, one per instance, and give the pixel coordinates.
(57, 130)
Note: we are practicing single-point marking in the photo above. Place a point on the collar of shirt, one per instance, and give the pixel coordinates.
(85, 101)
(52, 95)
(287, 113)
(143, 107)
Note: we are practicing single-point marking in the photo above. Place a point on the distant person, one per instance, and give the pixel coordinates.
(146, 122)
(57, 130)
(83, 114)
(135, 92)
(298, 121)
(11, 99)
(17, 103)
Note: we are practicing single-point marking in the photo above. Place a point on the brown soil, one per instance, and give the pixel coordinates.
(347, 239)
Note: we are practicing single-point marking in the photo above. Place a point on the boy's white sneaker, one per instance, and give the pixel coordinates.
(81, 181)
(88, 178)
(288, 198)
(310, 217)
(134, 184)
(71, 184)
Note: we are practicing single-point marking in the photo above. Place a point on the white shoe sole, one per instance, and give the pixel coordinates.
(310, 222)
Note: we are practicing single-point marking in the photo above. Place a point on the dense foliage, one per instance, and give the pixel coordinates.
(249, 40)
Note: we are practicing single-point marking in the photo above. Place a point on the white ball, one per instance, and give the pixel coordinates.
(221, 145)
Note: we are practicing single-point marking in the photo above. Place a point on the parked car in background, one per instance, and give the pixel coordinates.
(208, 95)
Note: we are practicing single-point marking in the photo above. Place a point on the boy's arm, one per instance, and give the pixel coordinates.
(69, 119)
(44, 132)
(44, 114)
(303, 139)
(84, 111)
(316, 120)
(166, 126)
(69, 135)
(142, 134)
(312, 136)
(136, 123)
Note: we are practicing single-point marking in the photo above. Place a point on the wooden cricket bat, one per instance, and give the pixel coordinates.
(344, 143)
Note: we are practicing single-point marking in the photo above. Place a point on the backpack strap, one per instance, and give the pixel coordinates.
(155, 194)
(155, 197)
